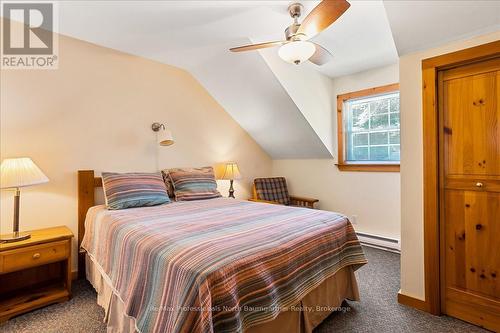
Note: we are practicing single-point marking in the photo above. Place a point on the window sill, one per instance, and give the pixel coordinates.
(368, 167)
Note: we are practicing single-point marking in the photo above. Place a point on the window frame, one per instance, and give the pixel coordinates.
(344, 165)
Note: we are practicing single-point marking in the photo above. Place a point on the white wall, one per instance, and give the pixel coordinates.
(95, 112)
(412, 238)
(373, 196)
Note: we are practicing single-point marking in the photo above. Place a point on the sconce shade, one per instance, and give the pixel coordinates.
(231, 172)
(165, 138)
(20, 172)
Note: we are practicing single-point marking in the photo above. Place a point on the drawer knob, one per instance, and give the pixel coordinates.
(479, 184)
(36, 255)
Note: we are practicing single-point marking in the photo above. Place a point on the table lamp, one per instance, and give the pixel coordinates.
(16, 173)
(231, 172)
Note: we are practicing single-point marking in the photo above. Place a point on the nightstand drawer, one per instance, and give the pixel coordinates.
(32, 256)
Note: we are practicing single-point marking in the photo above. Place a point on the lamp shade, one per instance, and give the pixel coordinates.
(20, 172)
(297, 52)
(165, 137)
(231, 171)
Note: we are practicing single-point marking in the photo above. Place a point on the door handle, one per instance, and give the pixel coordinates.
(479, 184)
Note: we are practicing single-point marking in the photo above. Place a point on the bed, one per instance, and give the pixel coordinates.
(218, 265)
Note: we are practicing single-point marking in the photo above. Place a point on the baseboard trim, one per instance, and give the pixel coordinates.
(413, 302)
(379, 242)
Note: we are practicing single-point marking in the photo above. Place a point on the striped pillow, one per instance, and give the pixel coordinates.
(128, 190)
(194, 183)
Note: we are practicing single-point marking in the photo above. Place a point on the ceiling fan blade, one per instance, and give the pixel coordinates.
(256, 46)
(321, 56)
(322, 16)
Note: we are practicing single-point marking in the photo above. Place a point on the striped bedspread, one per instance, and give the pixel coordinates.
(218, 265)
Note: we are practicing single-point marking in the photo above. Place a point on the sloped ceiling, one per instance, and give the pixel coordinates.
(419, 25)
(311, 91)
(196, 35)
(169, 30)
(359, 40)
(250, 92)
(264, 96)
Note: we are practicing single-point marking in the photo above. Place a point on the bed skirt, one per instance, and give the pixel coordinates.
(303, 318)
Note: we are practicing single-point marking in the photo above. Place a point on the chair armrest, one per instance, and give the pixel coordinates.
(303, 201)
(296, 198)
(264, 201)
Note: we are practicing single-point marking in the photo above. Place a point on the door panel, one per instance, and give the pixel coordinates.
(472, 125)
(455, 239)
(471, 214)
(482, 252)
(470, 192)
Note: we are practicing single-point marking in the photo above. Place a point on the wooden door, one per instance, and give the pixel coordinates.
(469, 131)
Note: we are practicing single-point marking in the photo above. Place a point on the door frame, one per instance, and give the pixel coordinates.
(430, 106)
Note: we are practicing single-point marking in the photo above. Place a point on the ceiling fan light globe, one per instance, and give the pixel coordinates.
(296, 52)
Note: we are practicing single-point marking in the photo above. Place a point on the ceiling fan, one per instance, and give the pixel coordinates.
(296, 48)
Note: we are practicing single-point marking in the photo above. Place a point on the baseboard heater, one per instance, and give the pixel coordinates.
(384, 243)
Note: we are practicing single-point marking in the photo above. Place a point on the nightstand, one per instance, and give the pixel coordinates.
(35, 272)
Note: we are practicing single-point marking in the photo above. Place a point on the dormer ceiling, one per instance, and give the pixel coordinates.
(197, 35)
(173, 31)
(419, 25)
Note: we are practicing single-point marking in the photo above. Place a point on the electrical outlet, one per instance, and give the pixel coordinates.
(354, 219)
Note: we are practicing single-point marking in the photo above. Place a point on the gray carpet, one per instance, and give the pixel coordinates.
(378, 310)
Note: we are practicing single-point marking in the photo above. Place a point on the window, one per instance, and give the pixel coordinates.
(368, 129)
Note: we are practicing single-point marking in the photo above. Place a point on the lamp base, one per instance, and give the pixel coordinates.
(14, 237)
(231, 189)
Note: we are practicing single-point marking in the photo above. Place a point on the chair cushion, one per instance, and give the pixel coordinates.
(272, 189)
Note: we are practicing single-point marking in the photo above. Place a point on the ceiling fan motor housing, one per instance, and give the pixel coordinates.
(295, 10)
(291, 31)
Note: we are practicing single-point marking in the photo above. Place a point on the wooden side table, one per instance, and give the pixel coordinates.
(35, 272)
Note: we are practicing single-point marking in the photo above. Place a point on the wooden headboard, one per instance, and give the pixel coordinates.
(87, 183)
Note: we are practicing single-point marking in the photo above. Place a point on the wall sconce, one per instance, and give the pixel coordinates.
(165, 137)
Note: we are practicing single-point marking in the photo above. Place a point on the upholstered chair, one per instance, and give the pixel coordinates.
(275, 191)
